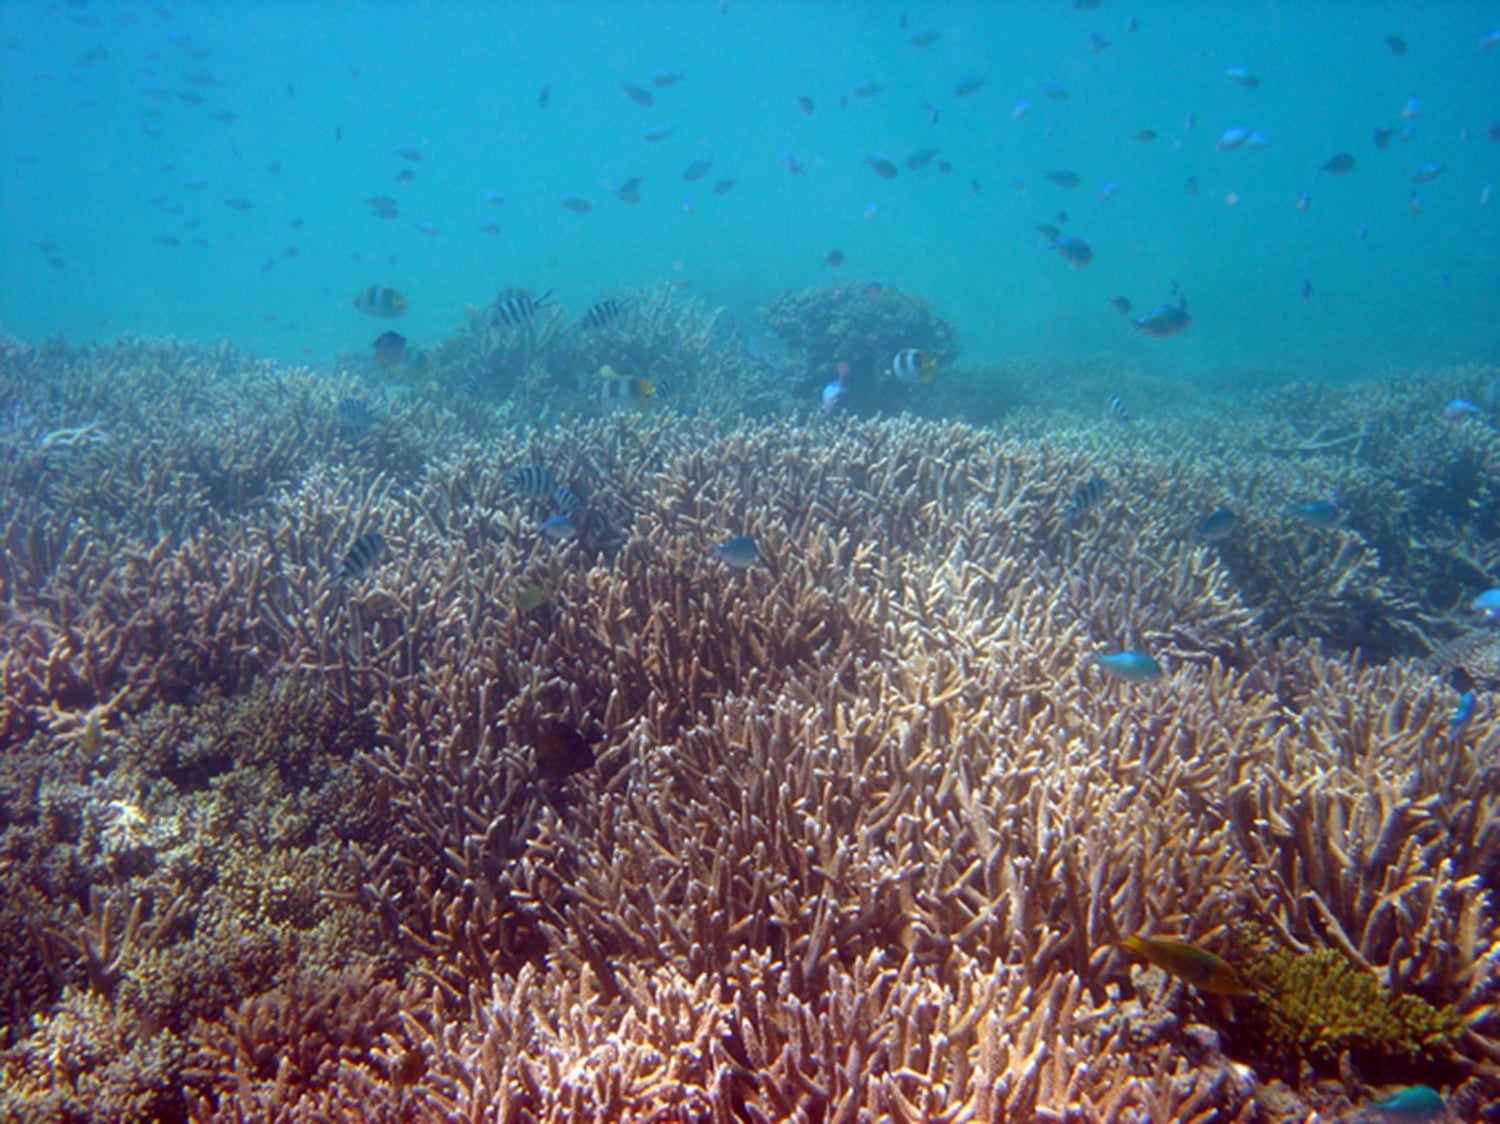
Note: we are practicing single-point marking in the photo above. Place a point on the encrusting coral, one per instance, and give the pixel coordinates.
(864, 821)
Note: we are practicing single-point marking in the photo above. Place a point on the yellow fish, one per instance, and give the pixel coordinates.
(380, 301)
(531, 598)
(1188, 963)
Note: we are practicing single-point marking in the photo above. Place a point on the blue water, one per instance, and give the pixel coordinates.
(328, 92)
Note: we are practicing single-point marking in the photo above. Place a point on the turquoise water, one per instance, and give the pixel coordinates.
(326, 93)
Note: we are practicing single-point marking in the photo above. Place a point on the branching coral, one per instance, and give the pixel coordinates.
(864, 822)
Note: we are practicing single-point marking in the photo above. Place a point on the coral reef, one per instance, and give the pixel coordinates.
(864, 821)
(861, 327)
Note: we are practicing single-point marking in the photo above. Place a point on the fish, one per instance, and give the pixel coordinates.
(1396, 44)
(920, 159)
(1489, 40)
(409, 152)
(602, 315)
(620, 393)
(532, 598)
(652, 133)
(1233, 137)
(1120, 305)
(1107, 191)
(1411, 108)
(1487, 605)
(363, 554)
(792, 164)
(560, 750)
(1304, 201)
(945, 167)
(1468, 706)
(1115, 408)
(380, 301)
(724, 187)
(1216, 527)
(1381, 138)
(516, 307)
(1485, 194)
(738, 552)
(638, 94)
(1339, 164)
(543, 96)
(1073, 250)
(389, 348)
(494, 198)
(1164, 320)
(1458, 409)
(558, 527)
(1132, 667)
(1188, 962)
(1084, 497)
(833, 392)
(697, 170)
(881, 166)
(566, 499)
(627, 192)
(834, 259)
(529, 480)
(866, 89)
(805, 104)
(355, 417)
(1145, 136)
(1096, 44)
(1415, 1105)
(664, 78)
(925, 38)
(1317, 513)
(1242, 77)
(489, 226)
(965, 87)
(912, 365)
(239, 203)
(869, 288)
(1054, 91)
(1064, 177)
(1426, 173)
(1020, 109)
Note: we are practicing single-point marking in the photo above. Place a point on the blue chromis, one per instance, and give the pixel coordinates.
(1217, 527)
(389, 348)
(1418, 1103)
(738, 552)
(1133, 667)
(1487, 604)
(559, 527)
(1468, 706)
(380, 301)
(1318, 513)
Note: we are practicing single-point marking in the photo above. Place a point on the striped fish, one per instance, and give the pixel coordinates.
(362, 555)
(517, 307)
(602, 315)
(565, 498)
(529, 480)
(913, 365)
(1117, 409)
(356, 417)
(1088, 494)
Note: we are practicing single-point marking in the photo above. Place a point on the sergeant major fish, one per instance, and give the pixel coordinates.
(366, 550)
(380, 301)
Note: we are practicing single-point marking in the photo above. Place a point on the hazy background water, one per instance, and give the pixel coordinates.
(327, 92)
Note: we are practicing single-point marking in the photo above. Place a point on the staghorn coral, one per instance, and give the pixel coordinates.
(864, 821)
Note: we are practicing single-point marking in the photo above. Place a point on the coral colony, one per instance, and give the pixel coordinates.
(847, 765)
